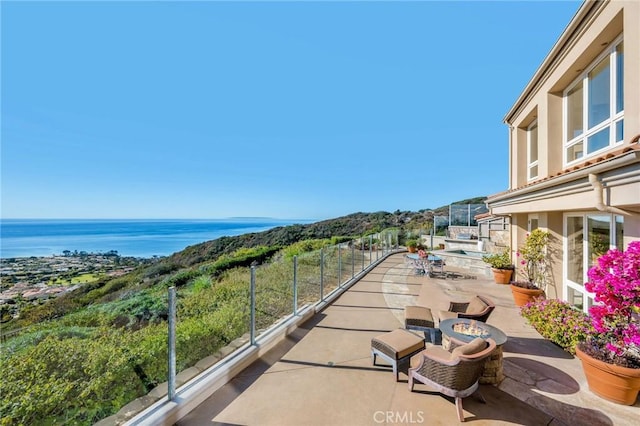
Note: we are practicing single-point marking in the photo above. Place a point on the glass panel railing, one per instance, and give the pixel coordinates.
(308, 278)
(330, 278)
(274, 293)
(115, 352)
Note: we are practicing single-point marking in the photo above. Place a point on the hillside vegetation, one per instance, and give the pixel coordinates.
(81, 357)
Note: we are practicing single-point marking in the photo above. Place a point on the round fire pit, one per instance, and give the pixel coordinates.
(466, 330)
(472, 329)
(457, 331)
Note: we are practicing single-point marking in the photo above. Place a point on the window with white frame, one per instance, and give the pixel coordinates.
(587, 236)
(532, 151)
(594, 106)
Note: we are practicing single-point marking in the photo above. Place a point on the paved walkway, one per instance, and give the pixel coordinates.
(323, 375)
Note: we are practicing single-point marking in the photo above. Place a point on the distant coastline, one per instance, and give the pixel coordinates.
(145, 238)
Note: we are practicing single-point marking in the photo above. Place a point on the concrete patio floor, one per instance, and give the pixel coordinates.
(322, 374)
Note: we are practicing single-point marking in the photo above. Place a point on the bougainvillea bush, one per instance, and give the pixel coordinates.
(615, 282)
(558, 321)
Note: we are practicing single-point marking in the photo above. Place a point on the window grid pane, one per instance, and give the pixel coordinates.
(599, 107)
(575, 151)
(533, 144)
(574, 112)
(620, 131)
(620, 77)
(575, 250)
(598, 141)
(620, 233)
(575, 298)
(599, 231)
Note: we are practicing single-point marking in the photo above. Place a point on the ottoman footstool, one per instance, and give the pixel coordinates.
(420, 318)
(396, 347)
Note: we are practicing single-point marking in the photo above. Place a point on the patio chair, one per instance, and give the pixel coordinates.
(436, 263)
(454, 373)
(479, 308)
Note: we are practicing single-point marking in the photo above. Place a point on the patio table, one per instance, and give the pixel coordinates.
(425, 265)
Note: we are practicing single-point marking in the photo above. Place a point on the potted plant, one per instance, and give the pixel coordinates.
(534, 260)
(412, 245)
(500, 265)
(611, 356)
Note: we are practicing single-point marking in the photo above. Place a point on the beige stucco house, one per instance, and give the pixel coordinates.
(574, 150)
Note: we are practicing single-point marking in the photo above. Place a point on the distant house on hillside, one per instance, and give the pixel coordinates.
(574, 150)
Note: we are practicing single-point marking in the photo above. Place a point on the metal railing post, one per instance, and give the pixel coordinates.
(353, 259)
(295, 285)
(362, 246)
(339, 265)
(370, 248)
(171, 379)
(432, 232)
(322, 274)
(252, 328)
(385, 246)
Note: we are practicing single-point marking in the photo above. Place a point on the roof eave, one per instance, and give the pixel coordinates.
(573, 25)
(629, 157)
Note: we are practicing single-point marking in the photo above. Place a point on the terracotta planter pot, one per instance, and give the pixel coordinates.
(609, 381)
(502, 276)
(522, 296)
(412, 249)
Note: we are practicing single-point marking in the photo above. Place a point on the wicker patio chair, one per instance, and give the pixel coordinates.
(454, 373)
(479, 308)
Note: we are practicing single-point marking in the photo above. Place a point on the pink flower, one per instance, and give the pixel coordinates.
(615, 282)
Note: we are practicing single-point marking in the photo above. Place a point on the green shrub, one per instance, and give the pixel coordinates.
(201, 283)
(558, 321)
(67, 380)
(305, 246)
(499, 260)
(339, 240)
(181, 278)
(239, 258)
(161, 268)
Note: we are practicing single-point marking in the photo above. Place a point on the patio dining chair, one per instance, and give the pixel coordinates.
(454, 373)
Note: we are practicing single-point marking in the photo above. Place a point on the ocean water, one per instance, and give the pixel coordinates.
(139, 238)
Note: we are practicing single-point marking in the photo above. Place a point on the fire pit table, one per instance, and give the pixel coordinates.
(456, 331)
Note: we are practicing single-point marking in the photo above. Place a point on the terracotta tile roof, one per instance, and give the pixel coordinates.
(482, 215)
(607, 156)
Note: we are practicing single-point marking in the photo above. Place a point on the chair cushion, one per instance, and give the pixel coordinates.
(443, 315)
(476, 345)
(398, 343)
(433, 352)
(418, 316)
(476, 305)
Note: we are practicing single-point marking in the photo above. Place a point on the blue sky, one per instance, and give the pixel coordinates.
(278, 109)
